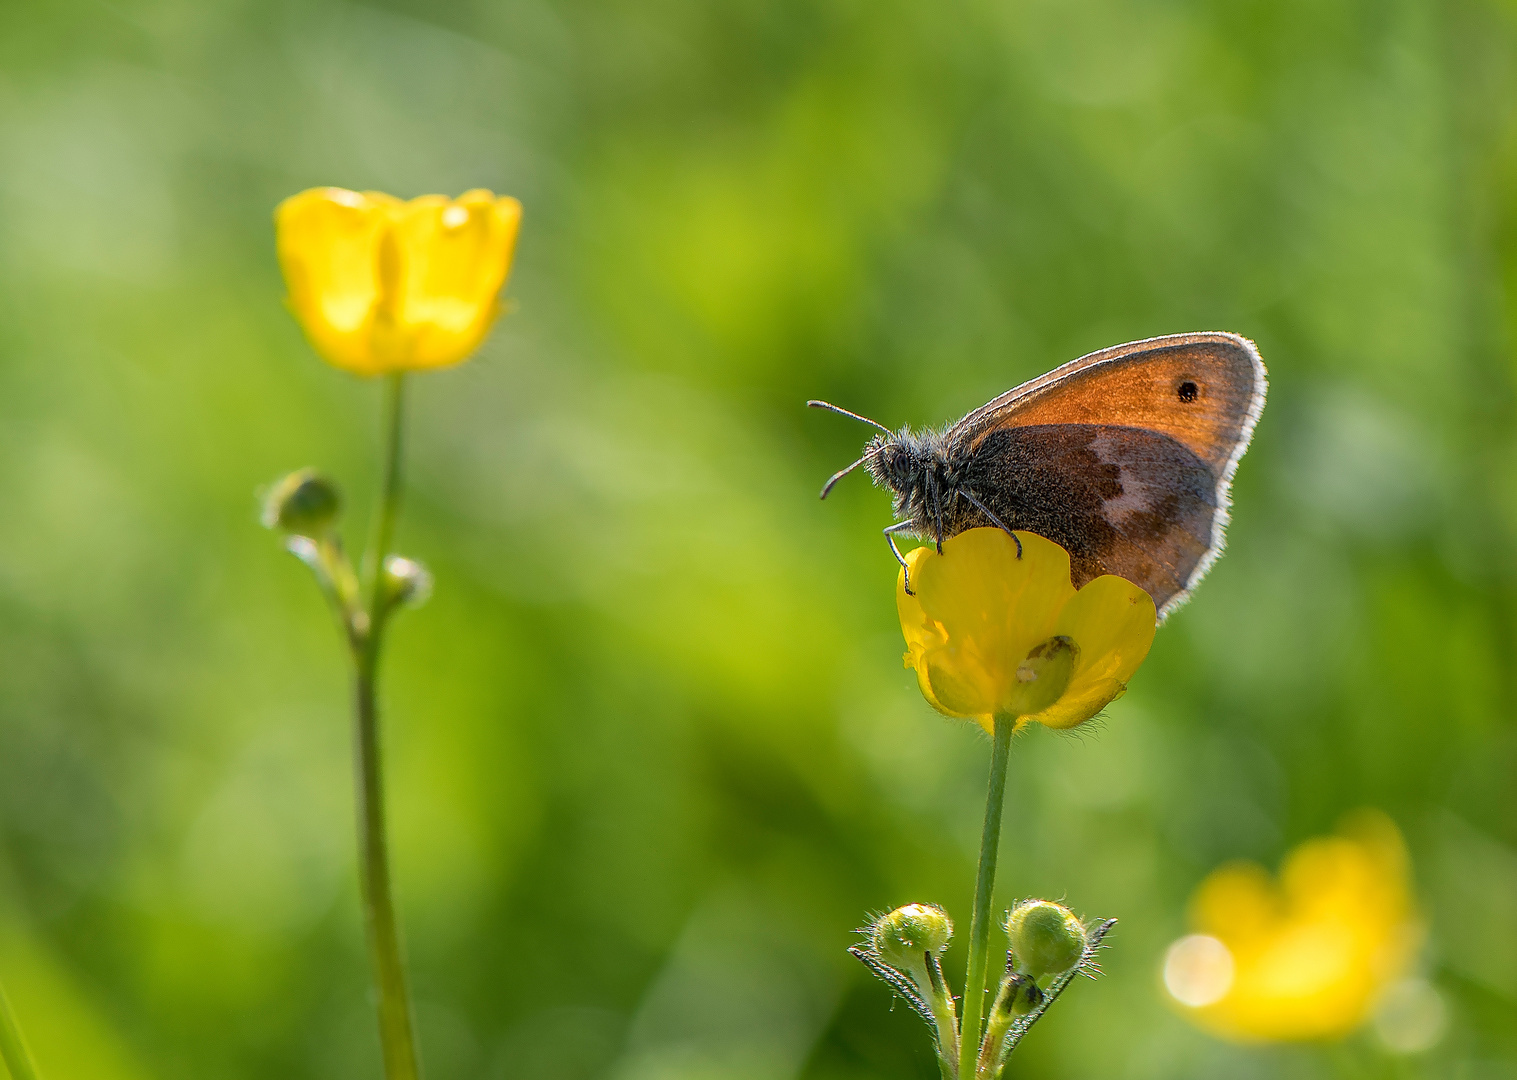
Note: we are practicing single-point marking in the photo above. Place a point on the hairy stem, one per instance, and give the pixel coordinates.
(979, 924)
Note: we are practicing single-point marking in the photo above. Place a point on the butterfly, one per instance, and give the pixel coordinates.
(1124, 458)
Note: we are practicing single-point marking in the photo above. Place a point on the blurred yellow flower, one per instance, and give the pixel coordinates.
(1307, 957)
(381, 285)
(993, 634)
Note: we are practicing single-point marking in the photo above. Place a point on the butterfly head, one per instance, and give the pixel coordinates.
(903, 462)
(899, 460)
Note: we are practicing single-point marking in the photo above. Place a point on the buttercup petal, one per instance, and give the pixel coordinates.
(1313, 952)
(1114, 623)
(978, 610)
(328, 241)
(382, 285)
(457, 257)
(1238, 902)
(954, 687)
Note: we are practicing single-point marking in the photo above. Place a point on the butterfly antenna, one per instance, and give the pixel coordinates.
(856, 416)
(827, 488)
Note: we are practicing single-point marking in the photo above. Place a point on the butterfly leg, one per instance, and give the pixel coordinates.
(982, 508)
(890, 532)
(936, 498)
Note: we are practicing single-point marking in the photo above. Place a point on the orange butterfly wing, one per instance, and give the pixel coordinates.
(1204, 390)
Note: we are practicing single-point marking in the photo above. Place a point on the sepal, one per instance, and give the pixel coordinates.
(1022, 999)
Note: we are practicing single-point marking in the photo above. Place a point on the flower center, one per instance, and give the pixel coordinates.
(1043, 676)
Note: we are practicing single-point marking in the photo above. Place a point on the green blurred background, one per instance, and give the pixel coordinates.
(653, 754)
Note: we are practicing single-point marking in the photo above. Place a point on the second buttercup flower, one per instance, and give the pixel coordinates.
(382, 285)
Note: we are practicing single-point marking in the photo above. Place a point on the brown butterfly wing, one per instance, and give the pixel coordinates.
(1120, 500)
(1135, 448)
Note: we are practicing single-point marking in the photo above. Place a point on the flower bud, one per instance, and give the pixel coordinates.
(304, 503)
(405, 581)
(1046, 938)
(904, 937)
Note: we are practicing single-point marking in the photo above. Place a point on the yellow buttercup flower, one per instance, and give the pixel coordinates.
(993, 634)
(1307, 957)
(382, 286)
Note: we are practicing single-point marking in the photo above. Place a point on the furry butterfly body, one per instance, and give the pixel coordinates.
(1124, 458)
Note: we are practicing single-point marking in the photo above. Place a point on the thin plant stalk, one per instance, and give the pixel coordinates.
(396, 1027)
(13, 1049)
(941, 1004)
(389, 492)
(979, 923)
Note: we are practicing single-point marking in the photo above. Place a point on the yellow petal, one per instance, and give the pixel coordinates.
(381, 286)
(1113, 622)
(328, 242)
(976, 613)
(1313, 953)
(455, 257)
(1237, 903)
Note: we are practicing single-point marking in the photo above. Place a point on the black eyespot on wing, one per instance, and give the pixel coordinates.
(1188, 391)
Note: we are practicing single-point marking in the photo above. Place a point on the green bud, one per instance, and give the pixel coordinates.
(305, 503)
(405, 581)
(904, 937)
(1046, 938)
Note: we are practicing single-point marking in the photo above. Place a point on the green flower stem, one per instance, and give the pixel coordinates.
(940, 1001)
(396, 1034)
(13, 1051)
(395, 1027)
(979, 924)
(389, 493)
(992, 1052)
